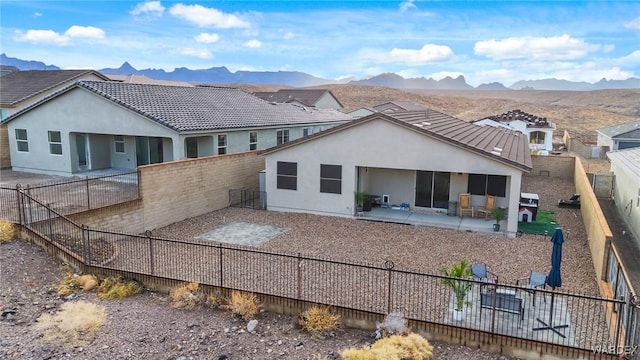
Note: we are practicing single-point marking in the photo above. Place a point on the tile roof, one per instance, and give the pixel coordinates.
(143, 79)
(201, 108)
(400, 106)
(501, 144)
(619, 130)
(17, 86)
(512, 115)
(305, 96)
(629, 159)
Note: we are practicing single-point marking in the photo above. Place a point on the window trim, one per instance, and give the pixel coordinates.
(287, 175)
(20, 141)
(119, 140)
(330, 178)
(253, 142)
(282, 136)
(222, 147)
(307, 131)
(536, 140)
(54, 144)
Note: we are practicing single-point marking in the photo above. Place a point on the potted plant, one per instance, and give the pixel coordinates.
(360, 197)
(460, 288)
(498, 214)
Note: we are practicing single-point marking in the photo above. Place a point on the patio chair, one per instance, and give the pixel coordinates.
(481, 273)
(535, 281)
(489, 205)
(464, 205)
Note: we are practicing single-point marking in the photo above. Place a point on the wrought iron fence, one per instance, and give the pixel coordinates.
(248, 199)
(572, 320)
(73, 195)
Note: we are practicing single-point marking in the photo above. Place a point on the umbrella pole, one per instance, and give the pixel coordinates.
(550, 325)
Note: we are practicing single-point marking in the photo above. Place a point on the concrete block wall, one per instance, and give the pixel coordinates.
(5, 157)
(557, 166)
(183, 189)
(127, 217)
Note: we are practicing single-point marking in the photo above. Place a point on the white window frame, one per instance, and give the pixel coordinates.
(54, 144)
(307, 131)
(282, 136)
(119, 140)
(253, 145)
(24, 142)
(222, 147)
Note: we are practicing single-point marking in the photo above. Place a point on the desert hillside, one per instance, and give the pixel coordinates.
(580, 112)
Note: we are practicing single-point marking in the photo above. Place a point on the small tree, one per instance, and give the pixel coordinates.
(460, 288)
(360, 197)
(498, 214)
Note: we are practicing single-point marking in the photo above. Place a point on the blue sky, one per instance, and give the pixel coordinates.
(485, 41)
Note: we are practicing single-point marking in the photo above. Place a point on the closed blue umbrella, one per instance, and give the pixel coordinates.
(554, 279)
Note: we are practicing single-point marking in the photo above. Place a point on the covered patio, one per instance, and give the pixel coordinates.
(410, 217)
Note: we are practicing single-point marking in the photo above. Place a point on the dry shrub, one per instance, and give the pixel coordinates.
(117, 288)
(213, 298)
(186, 296)
(244, 305)
(7, 230)
(74, 321)
(319, 319)
(86, 282)
(395, 347)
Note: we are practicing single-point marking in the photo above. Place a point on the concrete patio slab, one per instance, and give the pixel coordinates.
(240, 233)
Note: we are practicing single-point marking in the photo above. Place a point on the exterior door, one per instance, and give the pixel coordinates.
(432, 189)
(81, 149)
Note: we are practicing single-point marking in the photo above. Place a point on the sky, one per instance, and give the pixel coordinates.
(485, 41)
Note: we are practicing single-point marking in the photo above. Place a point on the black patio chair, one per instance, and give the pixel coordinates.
(535, 281)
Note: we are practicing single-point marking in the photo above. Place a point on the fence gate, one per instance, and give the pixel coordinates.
(248, 199)
(602, 185)
(632, 345)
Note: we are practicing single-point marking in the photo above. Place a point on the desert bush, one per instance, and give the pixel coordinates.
(117, 288)
(394, 324)
(186, 296)
(72, 282)
(6, 230)
(244, 305)
(74, 321)
(66, 287)
(319, 319)
(395, 347)
(213, 298)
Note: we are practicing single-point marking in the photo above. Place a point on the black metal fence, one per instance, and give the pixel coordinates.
(248, 199)
(576, 321)
(72, 195)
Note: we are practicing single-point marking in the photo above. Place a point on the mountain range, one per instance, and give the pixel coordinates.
(300, 79)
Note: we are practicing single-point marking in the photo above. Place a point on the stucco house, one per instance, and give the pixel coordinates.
(621, 136)
(538, 130)
(424, 159)
(317, 98)
(19, 89)
(388, 107)
(625, 165)
(96, 125)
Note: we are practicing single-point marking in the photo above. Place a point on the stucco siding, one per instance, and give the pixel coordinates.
(627, 196)
(398, 184)
(327, 101)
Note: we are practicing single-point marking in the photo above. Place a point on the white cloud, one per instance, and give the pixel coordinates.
(407, 5)
(153, 8)
(37, 14)
(207, 38)
(203, 16)
(42, 36)
(199, 53)
(428, 54)
(288, 35)
(562, 47)
(253, 44)
(633, 24)
(86, 32)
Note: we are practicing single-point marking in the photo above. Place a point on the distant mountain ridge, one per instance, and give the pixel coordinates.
(300, 79)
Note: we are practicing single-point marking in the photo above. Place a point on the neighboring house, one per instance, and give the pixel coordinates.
(143, 79)
(538, 130)
(388, 107)
(5, 69)
(19, 89)
(425, 159)
(96, 125)
(318, 98)
(625, 165)
(620, 137)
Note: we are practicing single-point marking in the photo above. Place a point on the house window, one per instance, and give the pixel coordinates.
(481, 184)
(282, 137)
(537, 137)
(331, 179)
(253, 140)
(222, 144)
(287, 175)
(307, 131)
(55, 143)
(192, 147)
(22, 140)
(118, 140)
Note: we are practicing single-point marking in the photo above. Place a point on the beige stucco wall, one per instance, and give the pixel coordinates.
(558, 166)
(374, 144)
(627, 196)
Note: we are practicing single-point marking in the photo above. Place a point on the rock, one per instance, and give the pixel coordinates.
(223, 357)
(6, 312)
(10, 317)
(251, 326)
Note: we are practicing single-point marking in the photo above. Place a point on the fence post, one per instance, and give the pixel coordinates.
(299, 277)
(20, 202)
(152, 264)
(28, 192)
(48, 206)
(220, 263)
(389, 265)
(87, 187)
